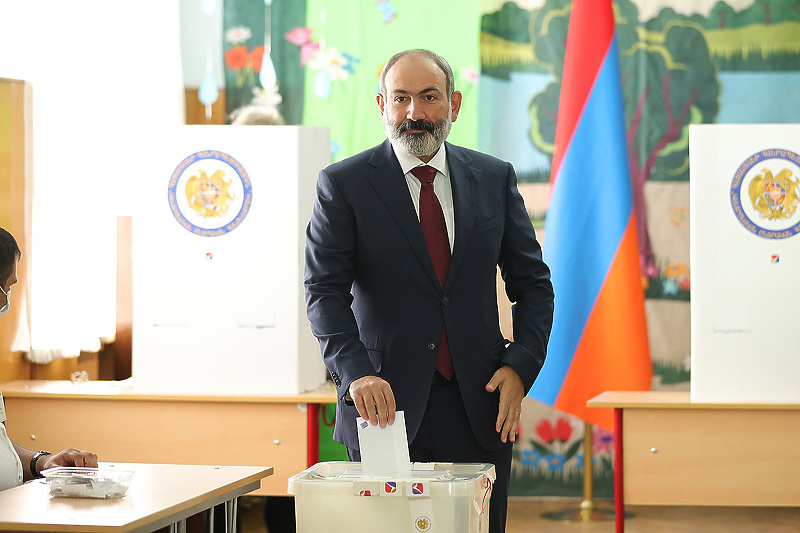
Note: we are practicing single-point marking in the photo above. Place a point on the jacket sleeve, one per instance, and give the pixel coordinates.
(330, 256)
(528, 287)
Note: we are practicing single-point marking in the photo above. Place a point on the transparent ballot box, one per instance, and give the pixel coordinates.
(81, 482)
(337, 497)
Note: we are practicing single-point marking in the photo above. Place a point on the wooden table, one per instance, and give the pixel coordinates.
(123, 423)
(159, 495)
(679, 452)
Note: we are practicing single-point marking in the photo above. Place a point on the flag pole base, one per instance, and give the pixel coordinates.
(586, 513)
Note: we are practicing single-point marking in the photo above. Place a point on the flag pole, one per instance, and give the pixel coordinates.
(587, 505)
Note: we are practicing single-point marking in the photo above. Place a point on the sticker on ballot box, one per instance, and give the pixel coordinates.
(392, 488)
(366, 488)
(417, 489)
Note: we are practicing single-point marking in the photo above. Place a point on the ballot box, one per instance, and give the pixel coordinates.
(218, 236)
(337, 497)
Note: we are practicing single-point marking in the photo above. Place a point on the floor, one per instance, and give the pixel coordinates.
(527, 515)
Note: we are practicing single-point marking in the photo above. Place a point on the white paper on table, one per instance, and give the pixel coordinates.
(384, 451)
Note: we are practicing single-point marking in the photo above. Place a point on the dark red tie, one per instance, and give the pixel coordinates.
(431, 218)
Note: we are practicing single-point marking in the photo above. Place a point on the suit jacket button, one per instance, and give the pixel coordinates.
(445, 300)
(431, 346)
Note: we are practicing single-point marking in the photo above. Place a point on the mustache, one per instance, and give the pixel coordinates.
(416, 125)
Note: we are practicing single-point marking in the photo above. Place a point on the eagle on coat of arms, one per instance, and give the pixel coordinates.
(209, 196)
(774, 197)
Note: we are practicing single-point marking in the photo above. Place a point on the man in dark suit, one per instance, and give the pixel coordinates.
(402, 253)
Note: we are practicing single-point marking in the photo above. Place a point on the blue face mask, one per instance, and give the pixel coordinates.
(4, 309)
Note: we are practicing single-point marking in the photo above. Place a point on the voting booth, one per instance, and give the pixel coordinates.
(218, 258)
(745, 262)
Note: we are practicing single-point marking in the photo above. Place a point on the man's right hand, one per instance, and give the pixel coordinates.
(374, 400)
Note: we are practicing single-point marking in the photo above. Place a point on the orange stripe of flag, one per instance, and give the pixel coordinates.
(613, 353)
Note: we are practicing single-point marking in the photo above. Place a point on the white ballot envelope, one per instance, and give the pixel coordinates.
(384, 451)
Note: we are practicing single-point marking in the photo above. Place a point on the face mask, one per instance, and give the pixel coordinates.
(4, 309)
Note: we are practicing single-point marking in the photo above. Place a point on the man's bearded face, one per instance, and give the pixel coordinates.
(418, 143)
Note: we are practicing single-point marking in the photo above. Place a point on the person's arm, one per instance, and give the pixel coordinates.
(70, 457)
(528, 286)
(330, 255)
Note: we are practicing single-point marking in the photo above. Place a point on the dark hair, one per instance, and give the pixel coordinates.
(433, 56)
(9, 254)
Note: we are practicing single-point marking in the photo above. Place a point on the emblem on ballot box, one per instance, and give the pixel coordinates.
(209, 196)
(765, 193)
(209, 193)
(423, 523)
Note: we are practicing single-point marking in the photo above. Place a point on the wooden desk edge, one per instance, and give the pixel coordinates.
(117, 390)
(675, 400)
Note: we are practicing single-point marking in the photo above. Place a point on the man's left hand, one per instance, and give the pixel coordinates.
(512, 392)
(69, 457)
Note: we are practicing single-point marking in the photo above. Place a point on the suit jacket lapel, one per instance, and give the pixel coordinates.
(464, 180)
(387, 179)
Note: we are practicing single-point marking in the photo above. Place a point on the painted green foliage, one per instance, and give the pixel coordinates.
(668, 82)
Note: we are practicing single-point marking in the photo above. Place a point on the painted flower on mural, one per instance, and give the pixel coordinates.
(651, 271)
(551, 450)
(244, 63)
(679, 216)
(676, 270)
(302, 37)
(467, 79)
(238, 35)
(531, 457)
(545, 431)
(337, 66)
(236, 57)
(555, 462)
(470, 74)
(388, 13)
(562, 431)
(602, 439)
(670, 286)
(677, 278)
(330, 65)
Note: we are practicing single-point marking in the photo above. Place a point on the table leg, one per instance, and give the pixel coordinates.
(619, 497)
(230, 514)
(312, 428)
(178, 527)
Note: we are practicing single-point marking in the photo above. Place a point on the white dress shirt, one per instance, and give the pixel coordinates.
(10, 465)
(441, 185)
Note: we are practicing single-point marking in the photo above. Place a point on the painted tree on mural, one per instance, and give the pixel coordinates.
(668, 82)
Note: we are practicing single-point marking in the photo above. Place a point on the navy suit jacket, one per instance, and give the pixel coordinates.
(375, 304)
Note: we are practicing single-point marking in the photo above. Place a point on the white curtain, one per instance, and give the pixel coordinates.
(104, 75)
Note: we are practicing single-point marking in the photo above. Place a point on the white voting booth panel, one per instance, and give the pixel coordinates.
(745, 262)
(218, 240)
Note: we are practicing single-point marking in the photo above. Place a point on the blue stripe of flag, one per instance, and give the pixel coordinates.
(589, 210)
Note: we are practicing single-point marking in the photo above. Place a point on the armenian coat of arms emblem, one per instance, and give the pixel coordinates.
(765, 193)
(209, 193)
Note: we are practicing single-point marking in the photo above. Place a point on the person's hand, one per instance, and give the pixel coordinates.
(68, 457)
(374, 400)
(512, 391)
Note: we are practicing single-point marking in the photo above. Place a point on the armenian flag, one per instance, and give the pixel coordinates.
(599, 338)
